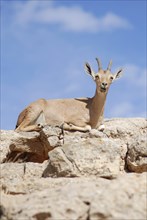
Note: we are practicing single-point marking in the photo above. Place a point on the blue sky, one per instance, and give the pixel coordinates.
(44, 45)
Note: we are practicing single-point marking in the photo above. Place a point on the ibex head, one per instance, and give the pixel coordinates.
(103, 78)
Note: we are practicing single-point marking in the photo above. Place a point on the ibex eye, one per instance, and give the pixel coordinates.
(111, 77)
(97, 76)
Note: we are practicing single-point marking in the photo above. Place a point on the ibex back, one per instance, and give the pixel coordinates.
(79, 114)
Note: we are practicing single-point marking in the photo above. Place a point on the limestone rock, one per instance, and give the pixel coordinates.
(98, 153)
(5, 141)
(137, 155)
(15, 175)
(79, 198)
(95, 153)
(91, 157)
(126, 128)
(30, 146)
(30, 190)
(124, 198)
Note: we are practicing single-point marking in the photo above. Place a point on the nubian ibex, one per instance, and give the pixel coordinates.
(77, 114)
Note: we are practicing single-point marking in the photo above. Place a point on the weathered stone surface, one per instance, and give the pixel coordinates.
(126, 128)
(91, 157)
(112, 154)
(5, 141)
(15, 175)
(30, 146)
(137, 155)
(98, 153)
(124, 198)
(78, 198)
(95, 153)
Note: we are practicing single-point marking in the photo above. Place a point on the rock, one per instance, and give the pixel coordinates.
(5, 139)
(126, 128)
(79, 198)
(97, 153)
(3, 213)
(75, 153)
(31, 146)
(124, 198)
(13, 179)
(137, 155)
(91, 157)
(59, 165)
(109, 170)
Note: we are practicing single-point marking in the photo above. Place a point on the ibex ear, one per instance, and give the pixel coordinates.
(89, 70)
(118, 74)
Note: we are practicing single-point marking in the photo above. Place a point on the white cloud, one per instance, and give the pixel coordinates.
(112, 21)
(67, 18)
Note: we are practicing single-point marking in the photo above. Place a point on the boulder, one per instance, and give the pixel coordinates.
(30, 146)
(136, 159)
(89, 157)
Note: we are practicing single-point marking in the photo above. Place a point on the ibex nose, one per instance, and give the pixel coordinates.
(104, 84)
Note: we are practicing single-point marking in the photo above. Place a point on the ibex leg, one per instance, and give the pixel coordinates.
(32, 123)
(71, 127)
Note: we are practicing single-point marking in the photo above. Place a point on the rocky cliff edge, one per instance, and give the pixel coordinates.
(60, 175)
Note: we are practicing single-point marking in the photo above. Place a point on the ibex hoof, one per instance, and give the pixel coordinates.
(40, 126)
(101, 128)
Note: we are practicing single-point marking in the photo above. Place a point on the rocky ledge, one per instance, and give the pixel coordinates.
(60, 175)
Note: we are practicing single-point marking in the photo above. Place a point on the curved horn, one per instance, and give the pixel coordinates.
(109, 65)
(99, 63)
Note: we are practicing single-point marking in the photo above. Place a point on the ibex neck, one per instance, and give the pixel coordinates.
(97, 108)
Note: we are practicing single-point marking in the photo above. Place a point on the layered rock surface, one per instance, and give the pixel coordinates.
(62, 175)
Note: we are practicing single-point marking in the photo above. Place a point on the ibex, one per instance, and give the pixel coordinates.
(77, 114)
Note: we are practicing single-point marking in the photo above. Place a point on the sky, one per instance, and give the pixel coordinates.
(45, 44)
